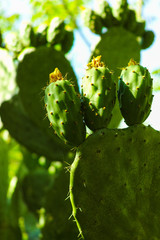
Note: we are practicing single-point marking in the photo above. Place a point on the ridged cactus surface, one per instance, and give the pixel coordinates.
(98, 94)
(135, 93)
(63, 107)
(114, 184)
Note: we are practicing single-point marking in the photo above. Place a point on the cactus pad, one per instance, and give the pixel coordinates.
(135, 93)
(26, 132)
(32, 75)
(99, 94)
(114, 184)
(63, 107)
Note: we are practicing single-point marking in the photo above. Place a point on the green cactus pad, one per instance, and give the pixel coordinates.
(114, 184)
(32, 76)
(117, 46)
(28, 133)
(63, 107)
(135, 93)
(99, 94)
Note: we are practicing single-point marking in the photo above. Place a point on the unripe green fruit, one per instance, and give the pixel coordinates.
(104, 10)
(55, 31)
(92, 20)
(27, 35)
(63, 107)
(147, 39)
(135, 93)
(99, 95)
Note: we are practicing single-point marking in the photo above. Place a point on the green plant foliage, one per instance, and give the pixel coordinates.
(35, 186)
(27, 133)
(3, 181)
(45, 10)
(7, 75)
(58, 226)
(114, 184)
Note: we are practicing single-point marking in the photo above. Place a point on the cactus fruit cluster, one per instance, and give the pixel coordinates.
(53, 34)
(67, 111)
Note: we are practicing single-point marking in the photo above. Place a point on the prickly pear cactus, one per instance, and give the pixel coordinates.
(32, 75)
(117, 46)
(63, 107)
(98, 94)
(114, 188)
(135, 93)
